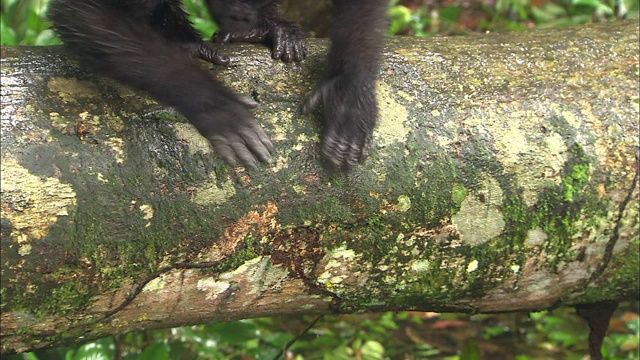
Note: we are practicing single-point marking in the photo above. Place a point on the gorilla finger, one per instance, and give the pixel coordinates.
(219, 37)
(221, 60)
(365, 148)
(264, 139)
(207, 53)
(299, 51)
(277, 53)
(312, 101)
(222, 148)
(287, 55)
(247, 101)
(280, 48)
(255, 35)
(215, 56)
(245, 155)
(333, 151)
(258, 142)
(354, 155)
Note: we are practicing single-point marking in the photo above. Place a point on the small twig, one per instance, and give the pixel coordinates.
(286, 347)
(144, 282)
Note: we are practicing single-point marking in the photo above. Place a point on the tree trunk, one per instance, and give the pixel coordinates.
(503, 177)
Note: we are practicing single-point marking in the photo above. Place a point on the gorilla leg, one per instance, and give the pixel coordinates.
(118, 38)
(347, 90)
(258, 21)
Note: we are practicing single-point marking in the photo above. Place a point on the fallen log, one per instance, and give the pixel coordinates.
(503, 177)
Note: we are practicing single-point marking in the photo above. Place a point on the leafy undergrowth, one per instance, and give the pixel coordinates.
(454, 17)
(405, 335)
(23, 22)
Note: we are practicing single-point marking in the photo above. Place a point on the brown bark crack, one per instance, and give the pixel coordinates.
(608, 252)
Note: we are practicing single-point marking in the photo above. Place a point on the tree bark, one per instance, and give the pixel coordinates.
(503, 177)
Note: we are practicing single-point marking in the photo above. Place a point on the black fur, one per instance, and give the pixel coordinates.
(142, 43)
(347, 90)
(284, 37)
(148, 44)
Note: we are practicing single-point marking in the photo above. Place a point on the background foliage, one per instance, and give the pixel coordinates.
(403, 335)
(23, 22)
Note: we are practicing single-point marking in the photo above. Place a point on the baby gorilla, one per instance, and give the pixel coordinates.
(148, 44)
(143, 43)
(347, 89)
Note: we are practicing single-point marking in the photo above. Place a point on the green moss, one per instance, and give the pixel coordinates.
(575, 180)
(376, 222)
(62, 292)
(404, 203)
(67, 298)
(557, 212)
(458, 193)
(619, 280)
(555, 215)
(238, 258)
(113, 252)
(151, 253)
(625, 266)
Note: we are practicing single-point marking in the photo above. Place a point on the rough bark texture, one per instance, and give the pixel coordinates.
(503, 177)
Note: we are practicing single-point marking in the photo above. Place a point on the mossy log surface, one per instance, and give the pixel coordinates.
(503, 177)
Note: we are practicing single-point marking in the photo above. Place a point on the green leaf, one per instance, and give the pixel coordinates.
(399, 17)
(372, 350)
(204, 26)
(548, 12)
(340, 353)
(494, 331)
(502, 6)
(387, 321)
(277, 340)
(157, 351)
(630, 343)
(470, 350)
(47, 37)
(595, 4)
(450, 13)
(566, 339)
(330, 341)
(92, 351)
(8, 35)
(235, 332)
(630, 9)
(29, 356)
